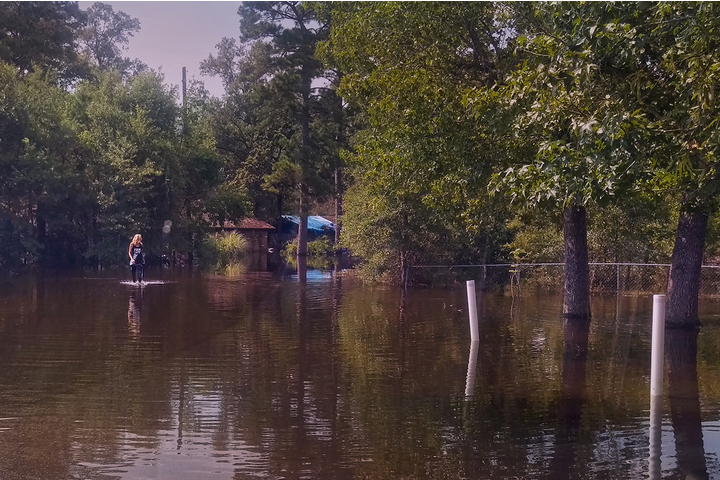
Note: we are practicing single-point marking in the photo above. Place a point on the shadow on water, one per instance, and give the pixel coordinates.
(681, 351)
(572, 398)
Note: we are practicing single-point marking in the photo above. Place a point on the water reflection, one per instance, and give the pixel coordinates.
(655, 458)
(472, 366)
(681, 348)
(302, 268)
(134, 311)
(253, 376)
(572, 398)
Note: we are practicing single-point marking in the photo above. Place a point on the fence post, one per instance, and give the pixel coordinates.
(617, 279)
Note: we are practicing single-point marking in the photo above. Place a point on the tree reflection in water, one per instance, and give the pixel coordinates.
(681, 348)
(572, 397)
(263, 377)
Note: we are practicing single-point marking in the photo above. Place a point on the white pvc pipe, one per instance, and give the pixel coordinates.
(654, 461)
(658, 346)
(472, 311)
(472, 366)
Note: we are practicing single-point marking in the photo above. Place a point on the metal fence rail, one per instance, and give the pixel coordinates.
(529, 278)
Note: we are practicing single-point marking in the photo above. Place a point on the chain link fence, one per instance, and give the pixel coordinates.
(531, 279)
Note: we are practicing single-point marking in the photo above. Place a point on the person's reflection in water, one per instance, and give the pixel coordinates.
(681, 360)
(134, 311)
(572, 397)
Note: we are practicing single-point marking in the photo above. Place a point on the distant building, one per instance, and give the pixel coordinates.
(254, 230)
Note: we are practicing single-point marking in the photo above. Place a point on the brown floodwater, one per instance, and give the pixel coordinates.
(259, 376)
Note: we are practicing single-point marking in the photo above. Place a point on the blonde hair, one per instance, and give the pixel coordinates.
(137, 239)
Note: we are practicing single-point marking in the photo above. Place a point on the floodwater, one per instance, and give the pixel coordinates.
(262, 377)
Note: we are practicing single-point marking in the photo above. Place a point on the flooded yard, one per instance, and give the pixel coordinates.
(259, 376)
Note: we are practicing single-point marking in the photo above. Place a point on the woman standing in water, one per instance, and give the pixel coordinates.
(137, 258)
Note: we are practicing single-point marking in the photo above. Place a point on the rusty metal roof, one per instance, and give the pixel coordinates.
(246, 224)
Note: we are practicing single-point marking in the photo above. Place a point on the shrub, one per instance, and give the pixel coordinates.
(223, 250)
(320, 247)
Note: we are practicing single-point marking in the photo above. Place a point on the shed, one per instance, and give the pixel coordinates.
(254, 230)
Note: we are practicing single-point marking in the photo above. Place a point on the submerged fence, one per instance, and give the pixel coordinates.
(529, 278)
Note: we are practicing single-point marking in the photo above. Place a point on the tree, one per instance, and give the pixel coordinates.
(421, 164)
(41, 35)
(142, 169)
(36, 162)
(566, 106)
(106, 35)
(278, 49)
(677, 91)
(661, 60)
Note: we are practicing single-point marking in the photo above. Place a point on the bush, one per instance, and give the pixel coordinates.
(223, 250)
(320, 247)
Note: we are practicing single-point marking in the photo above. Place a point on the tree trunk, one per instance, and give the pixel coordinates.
(338, 203)
(305, 162)
(684, 281)
(576, 300)
(302, 238)
(302, 227)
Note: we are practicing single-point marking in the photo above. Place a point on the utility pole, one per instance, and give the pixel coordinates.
(184, 87)
(184, 94)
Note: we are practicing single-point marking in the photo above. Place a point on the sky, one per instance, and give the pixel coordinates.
(176, 34)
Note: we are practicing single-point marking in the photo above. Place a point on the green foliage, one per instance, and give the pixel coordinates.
(641, 231)
(106, 36)
(421, 165)
(535, 242)
(568, 108)
(42, 36)
(278, 133)
(219, 251)
(609, 106)
(320, 248)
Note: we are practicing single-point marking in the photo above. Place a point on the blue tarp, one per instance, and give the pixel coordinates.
(316, 224)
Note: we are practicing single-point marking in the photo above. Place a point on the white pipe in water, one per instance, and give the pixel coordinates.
(472, 311)
(658, 346)
(655, 462)
(472, 366)
(656, 386)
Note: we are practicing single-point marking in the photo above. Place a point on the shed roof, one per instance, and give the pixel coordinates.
(246, 224)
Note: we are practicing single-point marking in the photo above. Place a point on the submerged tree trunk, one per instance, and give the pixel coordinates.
(576, 300)
(302, 235)
(684, 281)
(302, 238)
